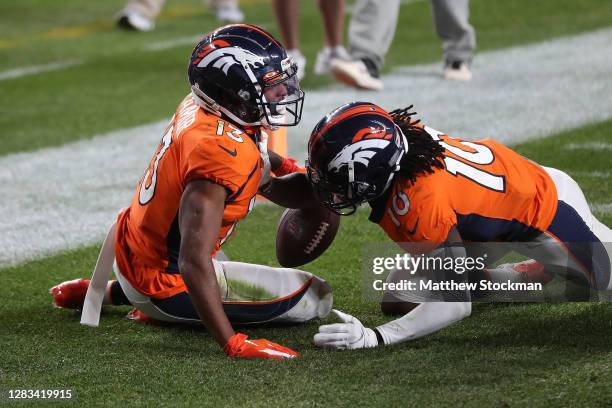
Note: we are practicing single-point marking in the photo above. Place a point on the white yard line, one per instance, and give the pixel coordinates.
(597, 146)
(37, 69)
(56, 66)
(182, 41)
(64, 197)
(175, 42)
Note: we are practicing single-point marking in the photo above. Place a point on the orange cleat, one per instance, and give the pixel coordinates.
(240, 346)
(70, 294)
(139, 316)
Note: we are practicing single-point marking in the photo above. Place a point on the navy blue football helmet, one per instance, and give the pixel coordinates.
(242, 72)
(353, 154)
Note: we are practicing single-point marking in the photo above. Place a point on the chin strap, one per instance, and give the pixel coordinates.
(207, 103)
(263, 150)
(204, 101)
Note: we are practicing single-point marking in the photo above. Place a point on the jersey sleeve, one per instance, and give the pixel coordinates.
(218, 159)
(433, 224)
(430, 223)
(428, 219)
(203, 163)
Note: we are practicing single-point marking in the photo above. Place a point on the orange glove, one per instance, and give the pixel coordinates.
(239, 346)
(288, 166)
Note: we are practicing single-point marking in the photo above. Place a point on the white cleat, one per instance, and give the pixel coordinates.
(300, 60)
(325, 57)
(355, 73)
(132, 20)
(230, 14)
(457, 71)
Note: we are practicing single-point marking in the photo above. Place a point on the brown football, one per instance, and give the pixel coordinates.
(303, 235)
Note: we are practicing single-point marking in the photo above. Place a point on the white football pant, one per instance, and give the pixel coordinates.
(250, 294)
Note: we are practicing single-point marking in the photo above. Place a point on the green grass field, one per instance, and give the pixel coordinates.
(503, 355)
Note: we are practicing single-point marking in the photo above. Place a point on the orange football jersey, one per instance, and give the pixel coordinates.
(488, 191)
(196, 145)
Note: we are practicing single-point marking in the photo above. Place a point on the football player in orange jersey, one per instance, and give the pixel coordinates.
(203, 178)
(431, 193)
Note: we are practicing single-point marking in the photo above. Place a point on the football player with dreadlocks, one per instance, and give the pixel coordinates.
(428, 188)
(202, 180)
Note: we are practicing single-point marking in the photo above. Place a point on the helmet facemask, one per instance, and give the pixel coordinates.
(281, 100)
(345, 193)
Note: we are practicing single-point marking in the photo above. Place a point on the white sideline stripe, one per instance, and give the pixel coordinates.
(56, 66)
(348, 9)
(601, 208)
(589, 146)
(181, 41)
(61, 198)
(37, 69)
(64, 197)
(176, 42)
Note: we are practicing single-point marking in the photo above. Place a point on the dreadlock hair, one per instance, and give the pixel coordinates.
(424, 153)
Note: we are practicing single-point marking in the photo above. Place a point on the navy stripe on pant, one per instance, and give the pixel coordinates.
(180, 305)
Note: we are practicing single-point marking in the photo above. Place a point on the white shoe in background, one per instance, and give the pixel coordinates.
(131, 20)
(326, 55)
(300, 60)
(355, 73)
(457, 71)
(229, 13)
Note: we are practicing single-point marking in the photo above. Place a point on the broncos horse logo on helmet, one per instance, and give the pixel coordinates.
(364, 146)
(224, 58)
(241, 72)
(362, 152)
(352, 155)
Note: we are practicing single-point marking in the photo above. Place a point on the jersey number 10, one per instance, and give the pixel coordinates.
(477, 154)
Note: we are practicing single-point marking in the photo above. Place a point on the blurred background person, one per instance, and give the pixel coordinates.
(332, 13)
(371, 31)
(140, 15)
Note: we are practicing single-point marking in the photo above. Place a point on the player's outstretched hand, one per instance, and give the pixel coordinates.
(240, 346)
(348, 335)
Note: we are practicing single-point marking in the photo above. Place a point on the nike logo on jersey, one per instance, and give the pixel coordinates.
(231, 153)
(413, 230)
